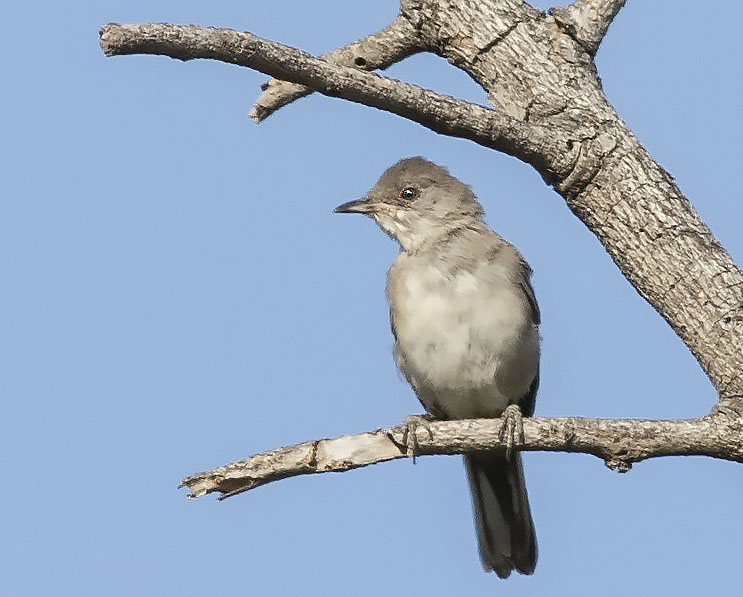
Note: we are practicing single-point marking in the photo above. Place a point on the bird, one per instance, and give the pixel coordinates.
(465, 323)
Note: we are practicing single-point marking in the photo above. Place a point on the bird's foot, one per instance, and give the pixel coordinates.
(512, 429)
(410, 437)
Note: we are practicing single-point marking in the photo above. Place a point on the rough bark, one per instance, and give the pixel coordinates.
(550, 111)
(587, 20)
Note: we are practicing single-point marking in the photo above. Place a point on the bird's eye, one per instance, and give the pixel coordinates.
(409, 193)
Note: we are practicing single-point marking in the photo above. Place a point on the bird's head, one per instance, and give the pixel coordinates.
(417, 202)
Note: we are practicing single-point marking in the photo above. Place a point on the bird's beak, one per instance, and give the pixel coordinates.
(360, 206)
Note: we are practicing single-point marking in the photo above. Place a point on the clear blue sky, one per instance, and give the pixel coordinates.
(177, 294)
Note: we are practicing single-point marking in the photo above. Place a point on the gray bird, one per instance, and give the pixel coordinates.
(465, 323)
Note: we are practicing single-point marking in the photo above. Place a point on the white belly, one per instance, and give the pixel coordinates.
(465, 342)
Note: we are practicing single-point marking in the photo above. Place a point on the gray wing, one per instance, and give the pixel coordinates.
(527, 402)
(525, 283)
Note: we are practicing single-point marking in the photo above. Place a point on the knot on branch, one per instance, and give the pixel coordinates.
(728, 411)
(619, 465)
(588, 150)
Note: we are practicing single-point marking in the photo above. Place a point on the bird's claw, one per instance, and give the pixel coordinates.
(410, 436)
(512, 429)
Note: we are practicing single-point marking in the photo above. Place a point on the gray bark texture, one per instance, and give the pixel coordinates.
(549, 110)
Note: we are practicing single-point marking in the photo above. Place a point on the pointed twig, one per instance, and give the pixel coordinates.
(376, 51)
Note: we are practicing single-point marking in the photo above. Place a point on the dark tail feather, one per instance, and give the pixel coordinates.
(505, 531)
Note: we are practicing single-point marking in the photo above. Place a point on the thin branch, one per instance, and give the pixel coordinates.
(376, 51)
(535, 144)
(619, 442)
(588, 20)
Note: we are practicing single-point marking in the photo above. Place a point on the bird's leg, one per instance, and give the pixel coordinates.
(512, 430)
(410, 438)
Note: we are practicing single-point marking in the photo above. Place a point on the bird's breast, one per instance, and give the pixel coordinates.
(463, 337)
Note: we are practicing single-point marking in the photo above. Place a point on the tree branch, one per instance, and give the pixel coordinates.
(532, 143)
(376, 51)
(587, 20)
(619, 442)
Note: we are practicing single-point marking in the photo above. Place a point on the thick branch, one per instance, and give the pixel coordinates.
(531, 143)
(376, 51)
(619, 443)
(588, 20)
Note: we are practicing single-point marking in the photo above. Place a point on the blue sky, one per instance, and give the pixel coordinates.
(178, 294)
